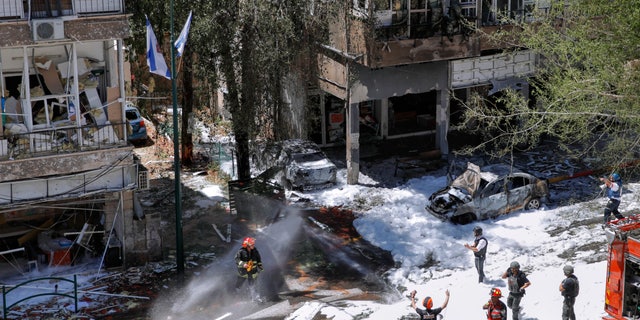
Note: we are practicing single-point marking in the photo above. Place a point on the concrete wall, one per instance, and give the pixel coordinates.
(16, 34)
(62, 164)
(139, 238)
(398, 81)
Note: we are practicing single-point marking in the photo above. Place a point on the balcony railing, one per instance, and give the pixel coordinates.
(61, 140)
(41, 9)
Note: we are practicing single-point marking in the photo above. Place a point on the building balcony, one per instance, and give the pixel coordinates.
(418, 31)
(43, 9)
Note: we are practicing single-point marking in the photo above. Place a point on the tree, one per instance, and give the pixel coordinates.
(253, 46)
(586, 86)
(161, 22)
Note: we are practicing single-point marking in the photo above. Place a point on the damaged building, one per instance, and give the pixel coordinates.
(396, 69)
(69, 176)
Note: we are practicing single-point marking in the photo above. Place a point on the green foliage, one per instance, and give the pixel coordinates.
(585, 89)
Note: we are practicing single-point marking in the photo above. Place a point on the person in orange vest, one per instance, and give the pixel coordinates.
(249, 265)
(496, 309)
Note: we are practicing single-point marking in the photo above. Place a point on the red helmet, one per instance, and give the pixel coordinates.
(427, 302)
(495, 292)
(248, 241)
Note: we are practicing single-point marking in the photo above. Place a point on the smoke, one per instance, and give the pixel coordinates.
(212, 294)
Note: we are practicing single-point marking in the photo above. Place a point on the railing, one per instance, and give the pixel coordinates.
(43, 9)
(61, 140)
(5, 292)
(98, 6)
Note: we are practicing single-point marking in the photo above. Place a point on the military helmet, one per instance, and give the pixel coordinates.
(567, 270)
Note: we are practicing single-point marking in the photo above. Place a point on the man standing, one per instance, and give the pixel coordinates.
(479, 249)
(517, 283)
(496, 309)
(427, 302)
(614, 192)
(569, 288)
(249, 264)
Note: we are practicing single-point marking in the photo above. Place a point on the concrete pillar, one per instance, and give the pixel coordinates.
(442, 121)
(384, 117)
(353, 143)
(140, 238)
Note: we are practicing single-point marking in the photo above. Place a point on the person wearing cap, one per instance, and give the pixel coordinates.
(428, 312)
(249, 264)
(517, 283)
(569, 288)
(479, 248)
(614, 191)
(496, 309)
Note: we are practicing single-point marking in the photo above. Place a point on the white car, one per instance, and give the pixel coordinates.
(488, 193)
(298, 164)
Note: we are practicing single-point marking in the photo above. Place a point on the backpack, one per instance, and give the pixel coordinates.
(573, 292)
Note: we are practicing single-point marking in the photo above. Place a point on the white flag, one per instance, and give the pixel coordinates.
(155, 60)
(184, 34)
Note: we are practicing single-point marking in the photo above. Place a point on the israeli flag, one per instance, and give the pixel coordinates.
(184, 34)
(155, 60)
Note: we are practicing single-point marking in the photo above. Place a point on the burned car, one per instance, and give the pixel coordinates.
(488, 193)
(301, 164)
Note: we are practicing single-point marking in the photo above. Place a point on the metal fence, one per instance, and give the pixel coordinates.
(73, 295)
(61, 140)
(39, 9)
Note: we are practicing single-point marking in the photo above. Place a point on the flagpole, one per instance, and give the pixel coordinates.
(176, 159)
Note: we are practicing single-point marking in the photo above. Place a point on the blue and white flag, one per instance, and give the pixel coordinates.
(155, 60)
(184, 34)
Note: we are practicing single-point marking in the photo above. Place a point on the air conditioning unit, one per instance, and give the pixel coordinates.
(47, 30)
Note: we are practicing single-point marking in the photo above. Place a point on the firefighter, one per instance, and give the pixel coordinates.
(428, 312)
(496, 309)
(517, 283)
(614, 191)
(479, 249)
(249, 265)
(569, 288)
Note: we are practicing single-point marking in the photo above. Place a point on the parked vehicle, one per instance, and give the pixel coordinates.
(137, 132)
(488, 193)
(622, 288)
(299, 164)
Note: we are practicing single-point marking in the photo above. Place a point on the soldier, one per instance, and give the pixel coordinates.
(569, 288)
(517, 282)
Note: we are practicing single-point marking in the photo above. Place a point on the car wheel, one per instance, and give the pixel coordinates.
(533, 204)
(464, 218)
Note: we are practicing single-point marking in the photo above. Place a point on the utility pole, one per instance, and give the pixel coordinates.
(176, 158)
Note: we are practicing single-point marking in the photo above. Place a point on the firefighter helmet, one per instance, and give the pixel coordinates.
(477, 230)
(615, 176)
(427, 303)
(515, 264)
(568, 270)
(495, 292)
(248, 241)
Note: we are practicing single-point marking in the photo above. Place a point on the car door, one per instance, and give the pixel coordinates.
(519, 191)
(492, 201)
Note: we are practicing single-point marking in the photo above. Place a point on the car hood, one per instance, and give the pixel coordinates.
(469, 180)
